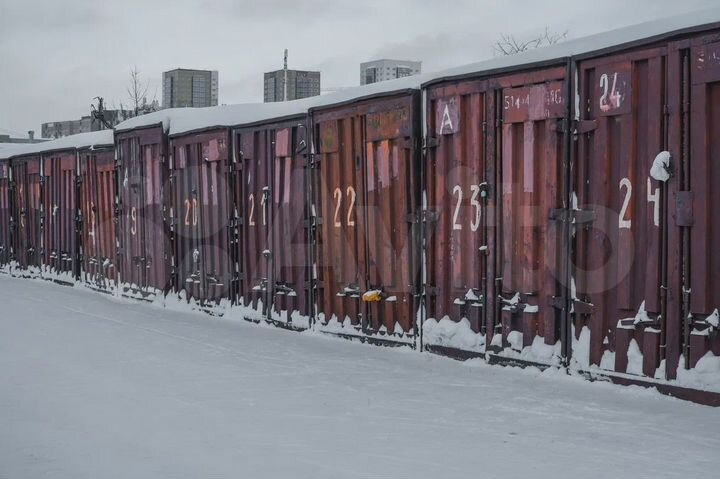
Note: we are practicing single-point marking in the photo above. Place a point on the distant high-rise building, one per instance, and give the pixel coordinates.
(301, 84)
(381, 70)
(189, 88)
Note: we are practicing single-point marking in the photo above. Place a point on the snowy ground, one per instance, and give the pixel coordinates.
(92, 387)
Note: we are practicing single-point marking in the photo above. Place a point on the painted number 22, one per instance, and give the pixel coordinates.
(337, 195)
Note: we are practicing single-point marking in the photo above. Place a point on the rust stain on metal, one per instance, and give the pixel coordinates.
(386, 124)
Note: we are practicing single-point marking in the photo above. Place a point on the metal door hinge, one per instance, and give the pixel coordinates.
(572, 216)
(561, 125)
(408, 143)
(431, 142)
(576, 305)
(585, 126)
(313, 222)
(423, 216)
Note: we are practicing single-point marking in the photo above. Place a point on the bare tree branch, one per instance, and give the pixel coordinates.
(508, 44)
(137, 90)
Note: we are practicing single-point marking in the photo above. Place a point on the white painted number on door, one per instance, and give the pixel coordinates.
(654, 198)
(457, 190)
(611, 99)
(475, 224)
(264, 208)
(337, 195)
(191, 213)
(622, 222)
(351, 195)
(474, 202)
(251, 199)
(133, 219)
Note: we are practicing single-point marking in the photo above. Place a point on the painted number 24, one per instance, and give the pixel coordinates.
(611, 97)
(653, 196)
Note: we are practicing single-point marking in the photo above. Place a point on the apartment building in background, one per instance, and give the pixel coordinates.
(301, 84)
(385, 69)
(185, 88)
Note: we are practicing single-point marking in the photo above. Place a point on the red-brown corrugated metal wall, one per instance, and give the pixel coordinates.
(200, 216)
(457, 186)
(144, 240)
(27, 214)
(289, 253)
(252, 200)
(700, 174)
(5, 213)
(366, 197)
(271, 198)
(619, 257)
(530, 149)
(98, 189)
(60, 205)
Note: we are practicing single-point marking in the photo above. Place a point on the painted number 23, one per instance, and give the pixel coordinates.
(474, 202)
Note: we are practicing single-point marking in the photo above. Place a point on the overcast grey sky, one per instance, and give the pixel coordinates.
(56, 55)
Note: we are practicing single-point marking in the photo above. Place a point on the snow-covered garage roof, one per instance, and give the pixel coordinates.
(177, 121)
(91, 139)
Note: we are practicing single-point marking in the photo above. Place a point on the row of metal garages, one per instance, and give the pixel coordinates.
(556, 207)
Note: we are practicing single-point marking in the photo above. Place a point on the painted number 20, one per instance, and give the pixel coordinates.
(191, 214)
